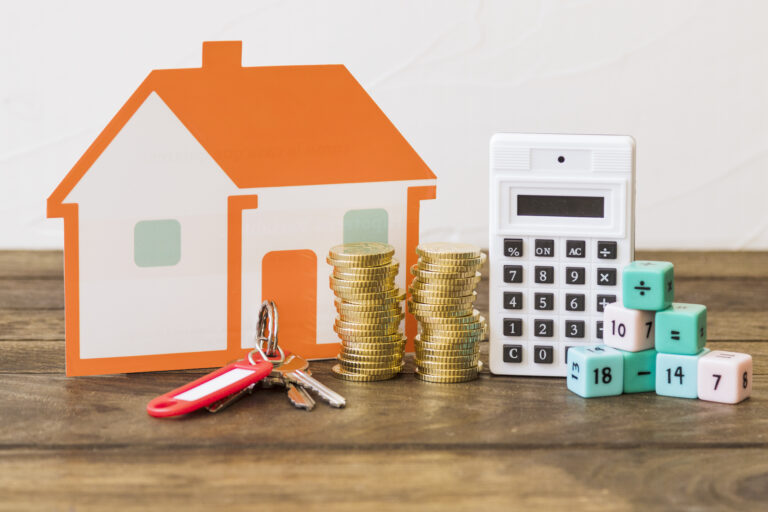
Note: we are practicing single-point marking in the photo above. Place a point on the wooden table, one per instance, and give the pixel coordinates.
(496, 443)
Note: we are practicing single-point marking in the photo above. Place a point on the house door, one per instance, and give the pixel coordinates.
(290, 279)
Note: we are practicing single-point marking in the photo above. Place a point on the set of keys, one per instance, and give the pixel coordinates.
(267, 365)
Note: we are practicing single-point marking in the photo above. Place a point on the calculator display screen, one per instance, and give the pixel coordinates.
(560, 206)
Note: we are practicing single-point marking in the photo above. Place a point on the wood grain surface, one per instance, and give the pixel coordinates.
(499, 443)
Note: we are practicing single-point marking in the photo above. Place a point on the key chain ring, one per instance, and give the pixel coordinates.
(267, 320)
(258, 350)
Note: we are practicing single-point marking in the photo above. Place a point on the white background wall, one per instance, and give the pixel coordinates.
(688, 79)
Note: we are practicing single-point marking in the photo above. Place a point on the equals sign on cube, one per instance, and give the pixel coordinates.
(675, 335)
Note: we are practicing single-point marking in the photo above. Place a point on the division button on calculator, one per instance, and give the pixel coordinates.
(604, 300)
(513, 273)
(575, 275)
(513, 300)
(606, 250)
(545, 248)
(513, 327)
(599, 329)
(513, 354)
(544, 275)
(542, 354)
(574, 328)
(606, 276)
(544, 328)
(513, 247)
(575, 248)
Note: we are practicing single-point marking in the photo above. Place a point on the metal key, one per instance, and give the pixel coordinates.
(303, 378)
(297, 395)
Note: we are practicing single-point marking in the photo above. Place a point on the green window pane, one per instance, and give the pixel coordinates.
(366, 226)
(157, 243)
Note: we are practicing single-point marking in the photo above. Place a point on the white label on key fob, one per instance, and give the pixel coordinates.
(214, 385)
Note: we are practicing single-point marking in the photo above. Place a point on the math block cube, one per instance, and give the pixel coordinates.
(639, 371)
(648, 285)
(681, 329)
(676, 375)
(628, 329)
(595, 370)
(725, 377)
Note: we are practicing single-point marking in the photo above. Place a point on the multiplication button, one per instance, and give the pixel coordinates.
(606, 277)
(513, 247)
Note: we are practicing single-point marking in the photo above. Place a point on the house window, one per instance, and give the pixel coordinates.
(157, 243)
(366, 226)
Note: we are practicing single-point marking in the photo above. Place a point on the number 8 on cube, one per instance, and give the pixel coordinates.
(595, 370)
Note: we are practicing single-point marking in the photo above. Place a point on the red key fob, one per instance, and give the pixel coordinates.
(210, 388)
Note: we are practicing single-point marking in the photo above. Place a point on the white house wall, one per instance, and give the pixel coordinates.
(312, 217)
(153, 169)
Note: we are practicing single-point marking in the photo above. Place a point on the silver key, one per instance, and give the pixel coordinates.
(304, 379)
(296, 394)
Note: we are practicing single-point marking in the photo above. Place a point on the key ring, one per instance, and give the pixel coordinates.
(267, 319)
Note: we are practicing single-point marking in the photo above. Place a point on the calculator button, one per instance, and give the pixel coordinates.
(575, 275)
(544, 248)
(513, 327)
(543, 354)
(544, 301)
(544, 275)
(606, 250)
(575, 302)
(575, 248)
(513, 354)
(599, 329)
(574, 328)
(606, 276)
(566, 352)
(513, 300)
(544, 328)
(604, 300)
(513, 247)
(513, 273)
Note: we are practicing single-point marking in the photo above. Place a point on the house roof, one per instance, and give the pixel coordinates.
(273, 126)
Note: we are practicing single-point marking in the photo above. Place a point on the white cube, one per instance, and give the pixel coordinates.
(628, 329)
(725, 377)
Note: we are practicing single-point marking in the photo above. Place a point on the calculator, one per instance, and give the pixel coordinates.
(561, 229)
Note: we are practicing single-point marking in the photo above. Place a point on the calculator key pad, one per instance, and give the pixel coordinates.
(551, 292)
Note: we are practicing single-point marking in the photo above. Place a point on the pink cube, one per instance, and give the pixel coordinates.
(725, 377)
(632, 330)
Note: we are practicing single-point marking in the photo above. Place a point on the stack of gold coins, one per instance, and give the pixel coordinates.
(370, 309)
(442, 300)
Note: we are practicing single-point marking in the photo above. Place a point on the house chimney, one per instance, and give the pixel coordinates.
(222, 54)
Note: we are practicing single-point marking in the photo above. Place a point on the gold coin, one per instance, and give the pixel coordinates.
(473, 327)
(340, 373)
(449, 267)
(362, 254)
(377, 272)
(361, 307)
(375, 285)
(373, 316)
(433, 298)
(448, 251)
(444, 379)
(395, 294)
(354, 365)
(372, 352)
(351, 340)
(421, 309)
(431, 355)
(378, 357)
(437, 367)
(445, 347)
(453, 337)
(450, 372)
(445, 278)
(372, 371)
(343, 328)
(422, 286)
(427, 320)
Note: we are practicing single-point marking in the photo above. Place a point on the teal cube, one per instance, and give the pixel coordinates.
(595, 370)
(677, 375)
(648, 285)
(639, 371)
(681, 329)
